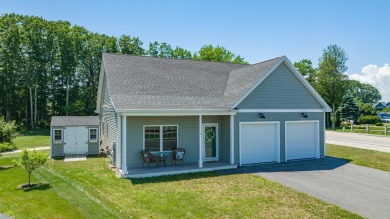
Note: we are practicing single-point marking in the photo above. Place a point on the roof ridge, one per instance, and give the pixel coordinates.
(192, 60)
(262, 62)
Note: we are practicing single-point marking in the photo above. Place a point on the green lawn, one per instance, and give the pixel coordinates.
(89, 189)
(33, 138)
(368, 158)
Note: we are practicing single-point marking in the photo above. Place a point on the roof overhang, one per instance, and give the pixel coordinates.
(175, 112)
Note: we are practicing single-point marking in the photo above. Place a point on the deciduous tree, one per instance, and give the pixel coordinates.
(331, 78)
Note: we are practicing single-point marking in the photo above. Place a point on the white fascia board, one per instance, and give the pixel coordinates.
(281, 110)
(259, 82)
(175, 112)
(307, 85)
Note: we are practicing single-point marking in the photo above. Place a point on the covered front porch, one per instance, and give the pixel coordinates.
(207, 138)
(141, 172)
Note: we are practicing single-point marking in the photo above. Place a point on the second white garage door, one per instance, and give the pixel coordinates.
(302, 140)
(259, 142)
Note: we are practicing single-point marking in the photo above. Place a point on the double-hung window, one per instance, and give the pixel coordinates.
(93, 134)
(57, 135)
(160, 138)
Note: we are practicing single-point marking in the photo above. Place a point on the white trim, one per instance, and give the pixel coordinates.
(324, 140)
(317, 155)
(89, 135)
(124, 145)
(51, 143)
(118, 141)
(166, 173)
(200, 142)
(54, 135)
(204, 125)
(100, 87)
(281, 110)
(259, 82)
(177, 112)
(284, 59)
(161, 137)
(231, 139)
(277, 139)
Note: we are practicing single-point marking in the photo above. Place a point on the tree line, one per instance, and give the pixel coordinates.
(51, 68)
(348, 99)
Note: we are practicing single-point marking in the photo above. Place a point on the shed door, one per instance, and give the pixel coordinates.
(76, 140)
(302, 140)
(259, 142)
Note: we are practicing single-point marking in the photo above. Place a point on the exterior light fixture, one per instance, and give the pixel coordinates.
(304, 115)
(261, 116)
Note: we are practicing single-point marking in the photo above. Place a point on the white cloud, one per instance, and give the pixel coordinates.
(379, 77)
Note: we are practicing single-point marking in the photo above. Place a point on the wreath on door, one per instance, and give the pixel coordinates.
(209, 135)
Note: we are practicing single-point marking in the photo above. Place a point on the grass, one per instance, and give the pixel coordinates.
(89, 189)
(363, 157)
(32, 139)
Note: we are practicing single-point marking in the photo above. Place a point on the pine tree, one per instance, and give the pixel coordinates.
(349, 109)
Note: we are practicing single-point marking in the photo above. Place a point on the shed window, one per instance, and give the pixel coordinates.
(160, 138)
(93, 134)
(57, 135)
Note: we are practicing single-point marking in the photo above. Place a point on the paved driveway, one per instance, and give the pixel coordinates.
(364, 141)
(359, 189)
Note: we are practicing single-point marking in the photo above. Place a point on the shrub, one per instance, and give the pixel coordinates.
(6, 146)
(345, 123)
(7, 131)
(369, 120)
(379, 124)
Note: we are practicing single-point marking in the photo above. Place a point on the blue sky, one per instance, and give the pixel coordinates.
(257, 30)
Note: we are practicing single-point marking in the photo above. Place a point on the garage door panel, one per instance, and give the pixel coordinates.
(301, 140)
(259, 143)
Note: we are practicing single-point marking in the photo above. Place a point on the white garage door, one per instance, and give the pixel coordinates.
(302, 139)
(75, 140)
(259, 142)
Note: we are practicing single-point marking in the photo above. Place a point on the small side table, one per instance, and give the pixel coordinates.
(162, 158)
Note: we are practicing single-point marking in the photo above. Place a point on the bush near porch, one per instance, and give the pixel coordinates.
(89, 189)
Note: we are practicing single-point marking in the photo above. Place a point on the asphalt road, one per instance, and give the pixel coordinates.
(364, 141)
(362, 190)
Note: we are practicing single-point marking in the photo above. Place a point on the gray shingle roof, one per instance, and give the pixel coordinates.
(75, 121)
(140, 82)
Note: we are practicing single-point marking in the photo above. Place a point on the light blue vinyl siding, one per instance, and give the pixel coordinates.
(188, 136)
(282, 117)
(109, 132)
(280, 90)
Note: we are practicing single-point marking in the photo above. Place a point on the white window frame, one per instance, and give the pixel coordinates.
(54, 135)
(161, 137)
(89, 135)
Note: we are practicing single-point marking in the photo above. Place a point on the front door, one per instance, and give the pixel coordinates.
(210, 137)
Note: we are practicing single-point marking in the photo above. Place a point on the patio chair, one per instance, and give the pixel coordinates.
(149, 158)
(178, 155)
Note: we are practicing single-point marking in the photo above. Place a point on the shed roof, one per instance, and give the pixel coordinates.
(75, 121)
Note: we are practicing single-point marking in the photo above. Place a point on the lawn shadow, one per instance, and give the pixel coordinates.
(6, 167)
(171, 178)
(327, 163)
(36, 186)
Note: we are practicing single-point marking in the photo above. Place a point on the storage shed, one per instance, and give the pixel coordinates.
(74, 135)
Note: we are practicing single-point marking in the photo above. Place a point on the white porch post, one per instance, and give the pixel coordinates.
(124, 145)
(200, 142)
(118, 142)
(231, 139)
